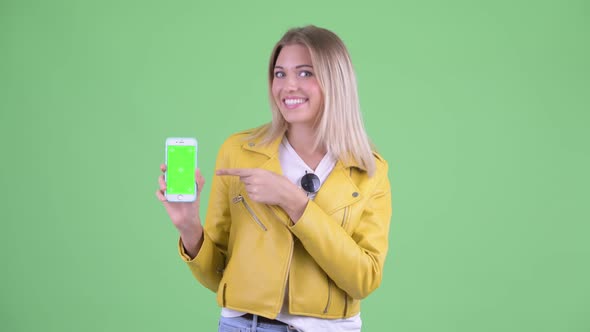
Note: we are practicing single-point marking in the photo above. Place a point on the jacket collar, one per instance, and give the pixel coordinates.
(269, 150)
(337, 192)
(272, 149)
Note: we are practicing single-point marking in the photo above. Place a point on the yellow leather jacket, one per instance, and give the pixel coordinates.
(332, 257)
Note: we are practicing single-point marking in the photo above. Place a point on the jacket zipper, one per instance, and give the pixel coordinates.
(223, 294)
(345, 305)
(344, 216)
(290, 259)
(240, 198)
(287, 275)
(346, 209)
(329, 295)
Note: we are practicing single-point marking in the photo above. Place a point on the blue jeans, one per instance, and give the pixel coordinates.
(241, 324)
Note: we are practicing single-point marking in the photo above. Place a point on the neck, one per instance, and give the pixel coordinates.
(302, 139)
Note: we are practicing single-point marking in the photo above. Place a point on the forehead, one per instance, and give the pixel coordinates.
(293, 55)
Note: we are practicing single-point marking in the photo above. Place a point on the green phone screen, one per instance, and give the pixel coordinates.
(180, 172)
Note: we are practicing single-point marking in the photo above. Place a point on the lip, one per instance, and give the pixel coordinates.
(293, 106)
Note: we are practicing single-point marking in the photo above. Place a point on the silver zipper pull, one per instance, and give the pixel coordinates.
(237, 199)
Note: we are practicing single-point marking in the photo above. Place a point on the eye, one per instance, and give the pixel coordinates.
(279, 74)
(305, 73)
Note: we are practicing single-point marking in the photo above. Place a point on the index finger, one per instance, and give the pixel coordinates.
(235, 171)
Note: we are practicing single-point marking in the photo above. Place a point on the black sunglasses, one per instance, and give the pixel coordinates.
(310, 183)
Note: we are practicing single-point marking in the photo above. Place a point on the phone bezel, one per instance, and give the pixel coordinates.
(180, 141)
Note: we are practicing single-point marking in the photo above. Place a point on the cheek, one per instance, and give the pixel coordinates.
(313, 87)
(275, 89)
(317, 92)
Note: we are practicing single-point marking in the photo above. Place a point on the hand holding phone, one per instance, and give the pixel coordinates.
(181, 163)
(183, 211)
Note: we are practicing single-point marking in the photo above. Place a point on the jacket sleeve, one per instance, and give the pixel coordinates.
(354, 262)
(209, 263)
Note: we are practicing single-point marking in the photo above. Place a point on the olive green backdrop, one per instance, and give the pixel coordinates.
(480, 107)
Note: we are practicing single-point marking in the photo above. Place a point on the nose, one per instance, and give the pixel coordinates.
(291, 83)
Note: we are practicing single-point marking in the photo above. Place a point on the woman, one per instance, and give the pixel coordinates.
(297, 224)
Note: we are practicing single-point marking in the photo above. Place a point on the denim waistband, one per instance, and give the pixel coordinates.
(251, 322)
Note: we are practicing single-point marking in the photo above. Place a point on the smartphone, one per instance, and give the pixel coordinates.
(181, 163)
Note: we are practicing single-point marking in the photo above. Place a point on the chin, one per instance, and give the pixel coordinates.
(292, 121)
(293, 118)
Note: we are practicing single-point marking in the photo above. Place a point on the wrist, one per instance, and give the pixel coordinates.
(192, 241)
(295, 205)
(189, 226)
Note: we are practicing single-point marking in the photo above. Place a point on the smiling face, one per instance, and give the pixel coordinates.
(295, 88)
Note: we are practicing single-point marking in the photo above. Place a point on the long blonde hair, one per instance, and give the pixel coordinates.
(340, 127)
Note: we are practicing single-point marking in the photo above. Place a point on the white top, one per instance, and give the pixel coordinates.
(294, 168)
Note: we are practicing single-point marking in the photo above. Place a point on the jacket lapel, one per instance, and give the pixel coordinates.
(271, 151)
(337, 192)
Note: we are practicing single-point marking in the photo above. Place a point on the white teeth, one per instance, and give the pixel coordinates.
(294, 101)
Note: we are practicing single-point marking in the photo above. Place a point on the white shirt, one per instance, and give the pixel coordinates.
(294, 168)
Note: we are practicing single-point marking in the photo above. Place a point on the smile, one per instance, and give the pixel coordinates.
(294, 101)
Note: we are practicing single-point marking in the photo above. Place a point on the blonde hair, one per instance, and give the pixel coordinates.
(340, 128)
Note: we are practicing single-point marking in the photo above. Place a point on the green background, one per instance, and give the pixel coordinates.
(481, 109)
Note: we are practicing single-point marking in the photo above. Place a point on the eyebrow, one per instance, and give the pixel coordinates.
(296, 67)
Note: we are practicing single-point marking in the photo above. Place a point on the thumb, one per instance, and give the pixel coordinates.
(200, 181)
